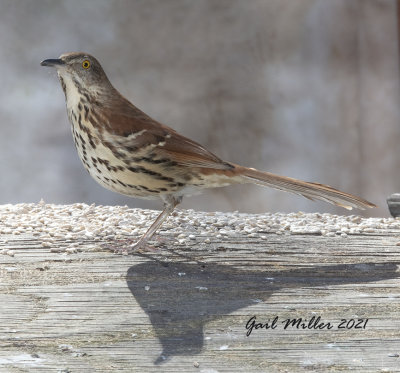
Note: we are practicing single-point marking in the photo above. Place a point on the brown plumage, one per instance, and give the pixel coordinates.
(130, 153)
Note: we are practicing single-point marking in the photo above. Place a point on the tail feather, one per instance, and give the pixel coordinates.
(312, 191)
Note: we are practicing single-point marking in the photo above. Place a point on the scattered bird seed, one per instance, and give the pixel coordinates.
(81, 224)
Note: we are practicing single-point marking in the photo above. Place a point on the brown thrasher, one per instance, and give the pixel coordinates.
(128, 152)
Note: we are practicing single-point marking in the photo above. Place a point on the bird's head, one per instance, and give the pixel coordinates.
(80, 69)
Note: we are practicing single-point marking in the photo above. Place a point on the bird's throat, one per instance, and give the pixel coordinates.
(72, 91)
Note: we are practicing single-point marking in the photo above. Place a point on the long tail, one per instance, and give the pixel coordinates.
(313, 191)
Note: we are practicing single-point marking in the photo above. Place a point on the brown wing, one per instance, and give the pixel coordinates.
(139, 132)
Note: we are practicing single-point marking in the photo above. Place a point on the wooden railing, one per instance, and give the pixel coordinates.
(224, 292)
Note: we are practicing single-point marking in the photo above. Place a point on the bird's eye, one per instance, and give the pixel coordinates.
(86, 64)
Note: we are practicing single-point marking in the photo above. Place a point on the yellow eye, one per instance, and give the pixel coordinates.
(86, 64)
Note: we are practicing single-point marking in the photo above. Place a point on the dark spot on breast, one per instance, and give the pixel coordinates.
(73, 115)
(85, 163)
(133, 186)
(86, 112)
(64, 87)
(175, 185)
(103, 161)
(148, 189)
(80, 122)
(82, 139)
(156, 175)
(91, 142)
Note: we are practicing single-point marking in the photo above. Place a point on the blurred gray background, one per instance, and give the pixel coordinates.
(305, 88)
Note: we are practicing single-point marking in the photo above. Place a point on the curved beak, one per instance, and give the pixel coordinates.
(53, 62)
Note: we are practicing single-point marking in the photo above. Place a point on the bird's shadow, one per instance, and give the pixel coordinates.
(180, 298)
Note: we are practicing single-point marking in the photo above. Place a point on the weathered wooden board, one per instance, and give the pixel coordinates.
(185, 308)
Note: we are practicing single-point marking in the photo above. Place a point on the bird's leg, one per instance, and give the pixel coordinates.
(170, 202)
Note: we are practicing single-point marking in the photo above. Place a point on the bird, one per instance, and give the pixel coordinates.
(128, 152)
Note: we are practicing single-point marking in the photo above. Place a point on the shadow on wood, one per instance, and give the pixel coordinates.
(180, 298)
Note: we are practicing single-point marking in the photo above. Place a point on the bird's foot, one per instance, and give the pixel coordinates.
(126, 247)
